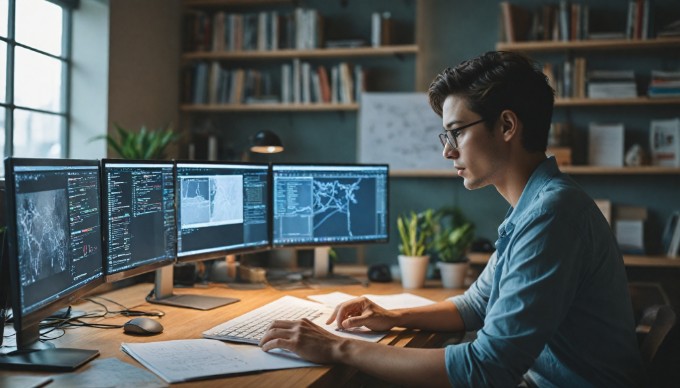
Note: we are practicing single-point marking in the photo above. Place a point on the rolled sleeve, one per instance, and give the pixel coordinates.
(473, 303)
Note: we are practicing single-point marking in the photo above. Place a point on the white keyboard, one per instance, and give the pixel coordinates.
(251, 326)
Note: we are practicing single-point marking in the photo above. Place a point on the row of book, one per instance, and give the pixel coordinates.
(302, 83)
(664, 84)
(572, 79)
(263, 31)
(212, 83)
(567, 21)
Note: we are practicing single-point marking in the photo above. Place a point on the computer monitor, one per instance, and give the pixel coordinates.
(55, 249)
(321, 205)
(222, 209)
(139, 216)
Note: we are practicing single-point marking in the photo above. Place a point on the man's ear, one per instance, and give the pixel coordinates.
(509, 124)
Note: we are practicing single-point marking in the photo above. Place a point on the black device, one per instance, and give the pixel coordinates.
(139, 216)
(55, 251)
(379, 273)
(222, 209)
(319, 205)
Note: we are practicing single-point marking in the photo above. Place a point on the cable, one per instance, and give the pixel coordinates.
(126, 312)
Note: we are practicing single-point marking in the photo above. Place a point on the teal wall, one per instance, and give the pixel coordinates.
(461, 29)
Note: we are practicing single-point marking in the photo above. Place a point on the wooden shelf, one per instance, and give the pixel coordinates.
(423, 173)
(314, 53)
(269, 107)
(596, 170)
(572, 170)
(628, 260)
(232, 3)
(608, 44)
(617, 101)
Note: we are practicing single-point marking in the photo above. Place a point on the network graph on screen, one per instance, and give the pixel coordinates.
(329, 206)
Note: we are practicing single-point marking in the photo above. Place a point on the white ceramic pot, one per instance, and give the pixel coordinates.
(453, 274)
(413, 270)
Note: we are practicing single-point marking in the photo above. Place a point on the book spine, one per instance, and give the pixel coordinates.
(675, 243)
(297, 92)
(375, 29)
(285, 83)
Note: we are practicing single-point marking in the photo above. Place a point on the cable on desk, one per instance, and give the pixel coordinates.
(126, 312)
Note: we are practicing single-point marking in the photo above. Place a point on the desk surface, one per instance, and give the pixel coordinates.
(182, 323)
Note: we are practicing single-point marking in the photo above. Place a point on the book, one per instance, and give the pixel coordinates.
(630, 236)
(605, 144)
(630, 225)
(665, 142)
(324, 84)
(516, 22)
(669, 240)
(376, 24)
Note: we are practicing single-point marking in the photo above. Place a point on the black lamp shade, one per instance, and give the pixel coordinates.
(266, 142)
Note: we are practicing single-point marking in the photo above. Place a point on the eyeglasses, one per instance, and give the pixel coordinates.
(451, 135)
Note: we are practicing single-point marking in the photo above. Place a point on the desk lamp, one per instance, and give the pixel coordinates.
(266, 142)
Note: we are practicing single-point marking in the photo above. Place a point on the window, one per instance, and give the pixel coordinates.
(34, 77)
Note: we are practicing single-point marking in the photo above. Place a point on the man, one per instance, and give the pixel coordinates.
(552, 305)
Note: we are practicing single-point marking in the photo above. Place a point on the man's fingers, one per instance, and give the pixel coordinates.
(354, 321)
(277, 343)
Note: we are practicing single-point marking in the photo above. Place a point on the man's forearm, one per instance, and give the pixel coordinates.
(442, 316)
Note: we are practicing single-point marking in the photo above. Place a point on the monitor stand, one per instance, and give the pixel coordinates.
(322, 275)
(33, 355)
(163, 294)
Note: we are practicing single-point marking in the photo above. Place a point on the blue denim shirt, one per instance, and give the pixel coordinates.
(553, 302)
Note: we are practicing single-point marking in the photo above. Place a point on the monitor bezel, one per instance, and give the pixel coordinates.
(218, 253)
(313, 244)
(24, 320)
(124, 274)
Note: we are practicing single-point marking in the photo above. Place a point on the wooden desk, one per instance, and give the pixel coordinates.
(187, 323)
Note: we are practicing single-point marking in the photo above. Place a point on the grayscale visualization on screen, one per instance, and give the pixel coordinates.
(221, 207)
(329, 204)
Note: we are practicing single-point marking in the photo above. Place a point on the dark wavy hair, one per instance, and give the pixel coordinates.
(495, 81)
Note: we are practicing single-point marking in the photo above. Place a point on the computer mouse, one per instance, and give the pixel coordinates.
(379, 273)
(142, 326)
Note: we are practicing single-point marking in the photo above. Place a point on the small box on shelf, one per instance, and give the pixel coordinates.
(605, 144)
(665, 142)
(629, 228)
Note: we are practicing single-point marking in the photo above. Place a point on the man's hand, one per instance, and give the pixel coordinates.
(362, 312)
(303, 338)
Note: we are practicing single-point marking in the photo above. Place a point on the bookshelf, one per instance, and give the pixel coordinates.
(640, 53)
(232, 46)
(312, 53)
(246, 108)
(584, 45)
(572, 170)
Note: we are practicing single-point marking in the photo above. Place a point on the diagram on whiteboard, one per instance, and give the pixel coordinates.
(400, 129)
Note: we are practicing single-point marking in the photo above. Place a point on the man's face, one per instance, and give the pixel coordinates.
(478, 158)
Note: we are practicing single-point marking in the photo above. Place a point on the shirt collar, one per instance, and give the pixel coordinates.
(543, 174)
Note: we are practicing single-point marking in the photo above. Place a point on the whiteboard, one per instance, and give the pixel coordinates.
(400, 129)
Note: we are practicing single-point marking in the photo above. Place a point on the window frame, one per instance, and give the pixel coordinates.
(68, 6)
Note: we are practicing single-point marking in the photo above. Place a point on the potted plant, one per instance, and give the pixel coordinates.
(415, 232)
(453, 235)
(145, 144)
